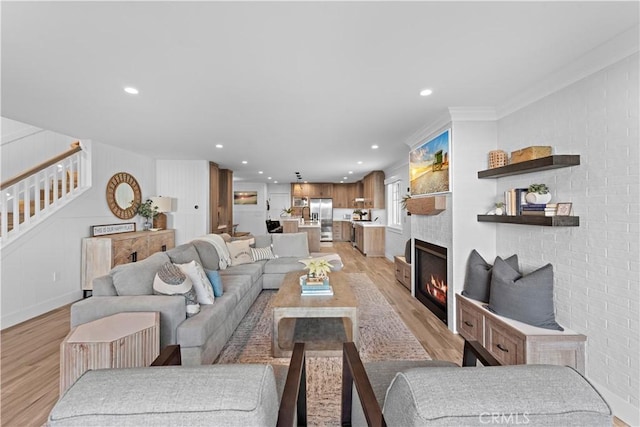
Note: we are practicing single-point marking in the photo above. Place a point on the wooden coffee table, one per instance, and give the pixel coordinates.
(290, 306)
(123, 340)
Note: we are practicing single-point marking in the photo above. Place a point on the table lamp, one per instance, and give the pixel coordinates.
(164, 204)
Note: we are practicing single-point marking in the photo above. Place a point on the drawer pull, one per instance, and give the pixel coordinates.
(466, 322)
(501, 348)
(164, 248)
(134, 256)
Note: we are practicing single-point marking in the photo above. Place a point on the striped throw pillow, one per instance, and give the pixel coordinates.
(261, 253)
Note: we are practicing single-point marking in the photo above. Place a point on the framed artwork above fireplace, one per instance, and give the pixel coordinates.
(429, 166)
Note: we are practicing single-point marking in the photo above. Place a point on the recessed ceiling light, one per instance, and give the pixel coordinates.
(260, 172)
(218, 145)
(426, 92)
(268, 177)
(244, 162)
(131, 90)
(275, 182)
(359, 162)
(374, 147)
(350, 172)
(344, 177)
(341, 182)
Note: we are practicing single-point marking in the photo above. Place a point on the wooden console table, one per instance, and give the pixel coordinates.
(517, 343)
(124, 340)
(101, 254)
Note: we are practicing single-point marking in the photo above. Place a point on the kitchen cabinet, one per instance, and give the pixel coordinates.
(342, 231)
(312, 190)
(373, 188)
(341, 196)
(517, 343)
(369, 239)
(101, 254)
(536, 165)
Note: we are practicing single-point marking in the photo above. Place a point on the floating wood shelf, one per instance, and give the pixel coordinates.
(544, 163)
(431, 205)
(550, 221)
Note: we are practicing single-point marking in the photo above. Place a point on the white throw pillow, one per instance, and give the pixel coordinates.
(201, 283)
(261, 253)
(240, 252)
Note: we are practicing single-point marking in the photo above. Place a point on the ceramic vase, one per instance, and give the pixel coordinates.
(537, 198)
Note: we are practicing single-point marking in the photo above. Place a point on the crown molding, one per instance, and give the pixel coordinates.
(614, 50)
(472, 114)
(438, 125)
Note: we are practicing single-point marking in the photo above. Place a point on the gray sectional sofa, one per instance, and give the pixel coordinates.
(201, 337)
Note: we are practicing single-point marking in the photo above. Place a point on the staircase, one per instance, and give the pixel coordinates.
(32, 196)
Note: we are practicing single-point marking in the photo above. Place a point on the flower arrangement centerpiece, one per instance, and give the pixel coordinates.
(287, 211)
(148, 211)
(318, 270)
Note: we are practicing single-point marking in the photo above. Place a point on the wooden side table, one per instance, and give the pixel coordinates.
(123, 340)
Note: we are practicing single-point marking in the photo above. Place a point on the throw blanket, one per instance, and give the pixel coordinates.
(333, 259)
(221, 248)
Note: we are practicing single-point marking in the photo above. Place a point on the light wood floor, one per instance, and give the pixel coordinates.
(30, 351)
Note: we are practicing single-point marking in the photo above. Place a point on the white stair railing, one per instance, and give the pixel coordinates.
(30, 197)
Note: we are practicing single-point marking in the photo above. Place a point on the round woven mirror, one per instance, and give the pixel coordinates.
(123, 195)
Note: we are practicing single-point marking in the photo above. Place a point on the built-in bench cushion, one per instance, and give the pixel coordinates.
(213, 395)
(545, 395)
(136, 278)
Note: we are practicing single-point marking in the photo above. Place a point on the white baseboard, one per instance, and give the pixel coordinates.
(27, 313)
(621, 409)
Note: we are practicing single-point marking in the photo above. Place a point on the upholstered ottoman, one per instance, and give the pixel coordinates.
(214, 395)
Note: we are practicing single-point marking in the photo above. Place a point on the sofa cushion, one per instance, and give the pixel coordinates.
(208, 254)
(240, 252)
(254, 270)
(528, 298)
(201, 284)
(171, 280)
(184, 254)
(136, 278)
(290, 245)
(282, 265)
(195, 331)
(477, 280)
(262, 241)
(212, 395)
(537, 394)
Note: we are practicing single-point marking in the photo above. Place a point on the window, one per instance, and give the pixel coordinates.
(394, 204)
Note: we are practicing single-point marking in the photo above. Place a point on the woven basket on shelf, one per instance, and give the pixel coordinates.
(497, 158)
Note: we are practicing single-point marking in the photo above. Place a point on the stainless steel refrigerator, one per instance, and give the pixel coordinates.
(322, 210)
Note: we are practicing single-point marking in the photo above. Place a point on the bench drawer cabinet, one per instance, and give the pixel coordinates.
(516, 343)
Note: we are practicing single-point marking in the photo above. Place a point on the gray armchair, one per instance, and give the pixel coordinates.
(437, 393)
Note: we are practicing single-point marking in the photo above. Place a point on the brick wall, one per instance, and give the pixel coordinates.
(597, 264)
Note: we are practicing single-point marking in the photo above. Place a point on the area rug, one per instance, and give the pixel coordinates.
(383, 336)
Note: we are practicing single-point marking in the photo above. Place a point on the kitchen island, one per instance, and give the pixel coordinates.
(312, 228)
(369, 238)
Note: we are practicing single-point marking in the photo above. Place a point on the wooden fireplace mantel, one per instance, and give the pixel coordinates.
(430, 205)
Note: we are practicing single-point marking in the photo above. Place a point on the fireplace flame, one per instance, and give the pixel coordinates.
(437, 288)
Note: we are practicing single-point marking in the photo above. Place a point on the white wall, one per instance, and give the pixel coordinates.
(596, 264)
(54, 247)
(24, 146)
(394, 239)
(252, 218)
(187, 181)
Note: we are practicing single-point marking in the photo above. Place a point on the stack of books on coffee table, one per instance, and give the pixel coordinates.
(316, 287)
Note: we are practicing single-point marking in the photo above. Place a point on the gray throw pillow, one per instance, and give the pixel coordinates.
(528, 298)
(477, 280)
(290, 245)
(136, 278)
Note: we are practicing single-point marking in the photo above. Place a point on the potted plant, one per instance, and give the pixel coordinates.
(318, 269)
(148, 211)
(538, 194)
(287, 211)
(499, 210)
